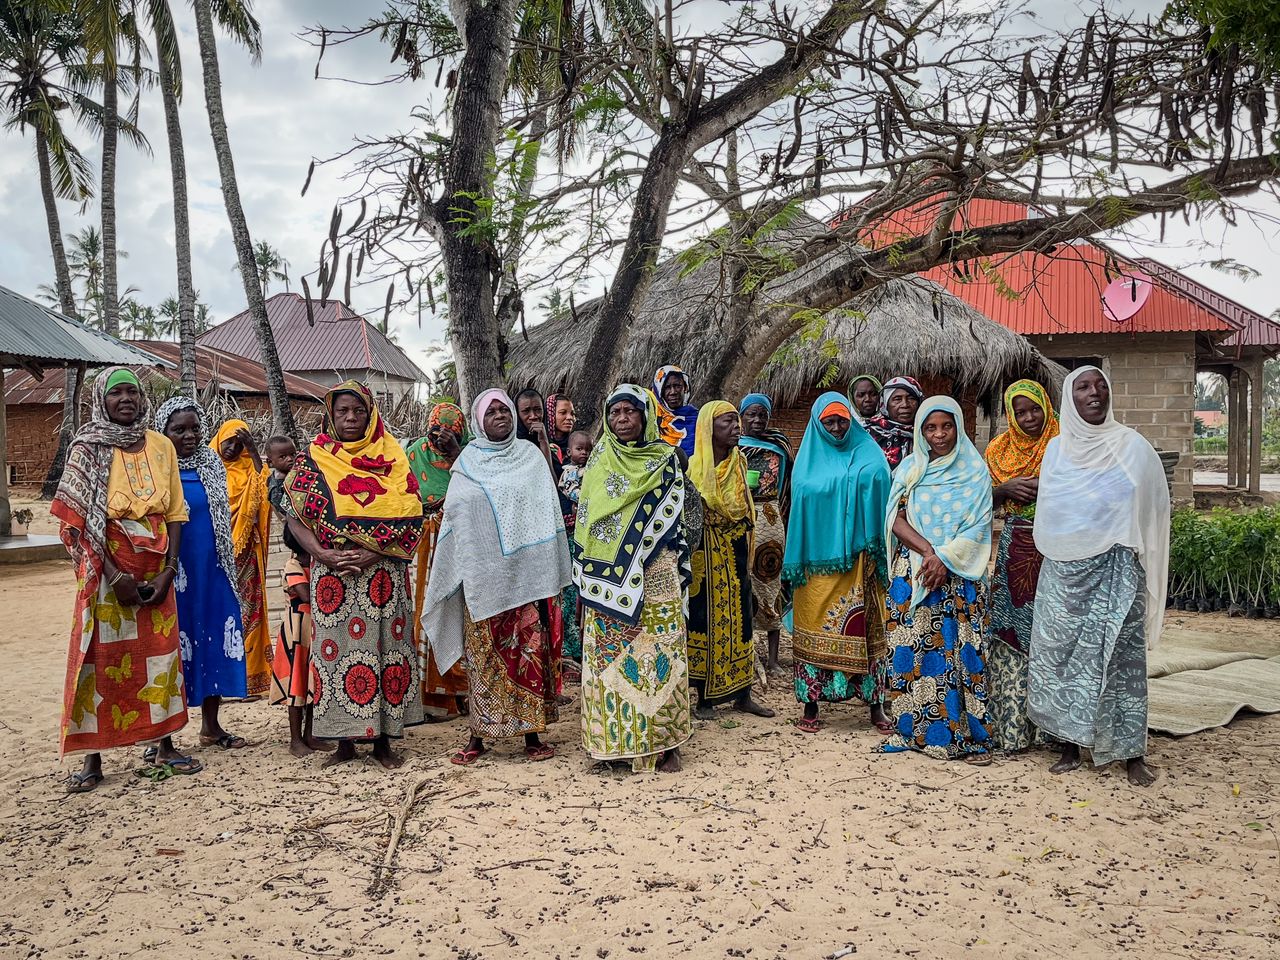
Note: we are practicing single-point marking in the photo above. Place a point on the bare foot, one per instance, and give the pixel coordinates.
(670, 762)
(747, 705)
(704, 713)
(1140, 775)
(1069, 760)
(388, 758)
(320, 746)
(346, 751)
(300, 749)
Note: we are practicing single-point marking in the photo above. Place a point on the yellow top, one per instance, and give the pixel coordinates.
(147, 482)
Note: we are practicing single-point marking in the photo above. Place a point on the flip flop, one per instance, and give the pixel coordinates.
(228, 741)
(884, 726)
(467, 756)
(83, 782)
(978, 759)
(544, 751)
(149, 755)
(806, 725)
(187, 766)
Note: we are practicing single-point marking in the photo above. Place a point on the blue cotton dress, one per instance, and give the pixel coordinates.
(210, 635)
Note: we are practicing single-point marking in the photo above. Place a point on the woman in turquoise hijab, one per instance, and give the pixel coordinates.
(835, 563)
(938, 540)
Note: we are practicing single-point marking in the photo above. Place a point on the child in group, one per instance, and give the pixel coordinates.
(291, 668)
(580, 445)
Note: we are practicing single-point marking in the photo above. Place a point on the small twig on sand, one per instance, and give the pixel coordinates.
(383, 874)
(513, 863)
(712, 803)
(842, 952)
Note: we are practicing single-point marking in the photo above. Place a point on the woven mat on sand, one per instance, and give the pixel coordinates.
(1195, 700)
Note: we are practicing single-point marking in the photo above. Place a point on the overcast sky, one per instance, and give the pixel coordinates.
(281, 117)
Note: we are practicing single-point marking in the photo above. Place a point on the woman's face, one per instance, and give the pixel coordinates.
(183, 429)
(497, 421)
(755, 420)
(836, 425)
(529, 409)
(230, 449)
(674, 391)
(866, 397)
(566, 420)
(903, 406)
(1091, 396)
(350, 417)
(124, 400)
(1029, 416)
(939, 429)
(726, 430)
(626, 422)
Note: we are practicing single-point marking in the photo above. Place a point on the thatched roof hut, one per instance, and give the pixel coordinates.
(908, 326)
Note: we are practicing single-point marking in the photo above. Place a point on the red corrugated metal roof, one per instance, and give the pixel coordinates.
(340, 340)
(235, 375)
(1038, 293)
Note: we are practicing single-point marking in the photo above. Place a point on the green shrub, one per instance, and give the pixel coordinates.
(1225, 558)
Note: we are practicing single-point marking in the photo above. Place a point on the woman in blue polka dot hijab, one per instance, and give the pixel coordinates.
(938, 539)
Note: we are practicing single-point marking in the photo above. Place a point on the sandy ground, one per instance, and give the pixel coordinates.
(771, 844)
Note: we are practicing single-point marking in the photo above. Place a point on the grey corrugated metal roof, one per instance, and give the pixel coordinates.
(30, 332)
(341, 339)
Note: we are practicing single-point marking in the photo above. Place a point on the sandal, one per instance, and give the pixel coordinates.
(149, 755)
(810, 725)
(187, 766)
(228, 741)
(543, 751)
(978, 759)
(884, 726)
(467, 756)
(83, 782)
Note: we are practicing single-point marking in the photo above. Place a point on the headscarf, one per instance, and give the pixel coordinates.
(775, 441)
(723, 486)
(213, 477)
(360, 492)
(1014, 453)
(81, 501)
(839, 491)
(630, 507)
(427, 461)
(1101, 486)
(501, 543)
(948, 501)
(246, 487)
(894, 438)
(677, 427)
(853, 406)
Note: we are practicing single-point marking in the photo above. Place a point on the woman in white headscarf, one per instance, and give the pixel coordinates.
(501, 556)
(1102, 523)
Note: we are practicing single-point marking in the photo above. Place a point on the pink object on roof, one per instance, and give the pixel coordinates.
(1125, 296)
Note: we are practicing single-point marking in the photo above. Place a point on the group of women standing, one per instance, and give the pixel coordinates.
(648, 567)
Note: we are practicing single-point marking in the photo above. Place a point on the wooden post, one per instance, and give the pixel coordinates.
(6, 519)
(1256, 402)
(1242, 447)
(1234, 424)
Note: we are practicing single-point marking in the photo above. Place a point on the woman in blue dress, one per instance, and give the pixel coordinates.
(210, 635)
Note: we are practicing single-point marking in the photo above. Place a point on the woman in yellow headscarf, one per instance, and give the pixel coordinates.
(250, 535)
(1014, 459)
(721, 645)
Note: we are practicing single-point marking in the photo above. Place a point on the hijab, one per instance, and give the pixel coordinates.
(948, 501)
(1016, 454)
(246, 487)
(1103, 485)
(774, 441)
(361, 491)
(839, 491)
(894, 438)
(853, 406)
(427, 461)
(630, 507)
(502, 542)
(81, 501)
(723, 486)
(677, 427)
(213, 477)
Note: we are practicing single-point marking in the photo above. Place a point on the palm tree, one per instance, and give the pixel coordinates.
(200, 322)
(235, 17)
(85, 262)
(271, 265)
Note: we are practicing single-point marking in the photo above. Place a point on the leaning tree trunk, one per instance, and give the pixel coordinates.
(67, 301)
(110, 142)
(181, 225)
(282, 413)
(471, 264)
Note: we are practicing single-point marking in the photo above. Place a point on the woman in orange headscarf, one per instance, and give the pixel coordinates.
(1014, 459)
(250, 535)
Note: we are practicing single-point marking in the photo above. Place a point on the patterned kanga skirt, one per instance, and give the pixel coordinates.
(513, 669)
(766, 566)
(366, 668)
(838, 641)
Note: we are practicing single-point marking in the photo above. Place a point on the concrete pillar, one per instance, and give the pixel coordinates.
(1242, 446)
(1234, 423)
(1257, 385)
(5, 518)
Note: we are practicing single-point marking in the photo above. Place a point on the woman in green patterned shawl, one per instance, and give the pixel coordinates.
(631, 566)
